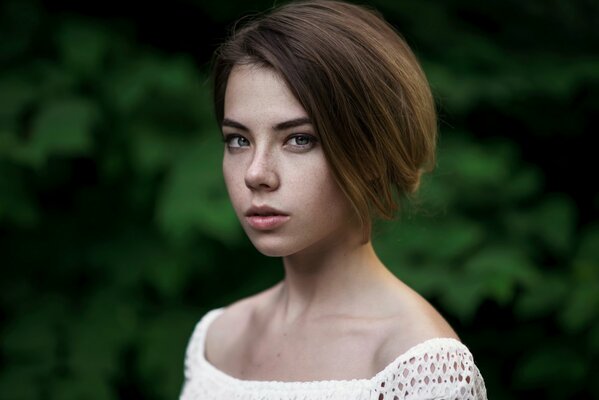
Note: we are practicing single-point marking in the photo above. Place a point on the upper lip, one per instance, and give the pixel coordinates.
(263, 210)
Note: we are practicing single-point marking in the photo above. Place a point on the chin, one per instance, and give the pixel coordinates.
(273, 246)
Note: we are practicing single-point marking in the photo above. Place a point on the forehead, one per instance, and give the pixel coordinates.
(255, 92)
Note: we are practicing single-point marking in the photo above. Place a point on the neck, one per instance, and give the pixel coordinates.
(337, 280)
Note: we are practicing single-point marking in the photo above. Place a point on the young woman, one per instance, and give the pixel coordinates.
(327, 119)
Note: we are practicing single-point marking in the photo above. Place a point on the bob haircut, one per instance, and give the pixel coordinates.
(361, 86)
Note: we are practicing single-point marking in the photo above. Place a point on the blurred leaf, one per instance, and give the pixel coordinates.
(125, 255)
(462, 86)
(454, 237)
(428, 280)
(544, 298)
(434, 239)
(554, 363)
(477, 165)
(588, 248)
(54, 82)
(153, 151)
(15, 93)
(526, 182)
(500, 269)
(81, 386)
(19, 382)
(19, 21)
(435, 194)
(95, 339)
(30, 342)
(33, 335)
(136, 258)
(61, 128)
(166, 92)
(82, 46)
(565, 74)
(464, 295)
(554, 221)
(594, 338)
(477, 173)
(581, 307)
(162, 349)
(17, 204)
(166, 273)
(195, 196)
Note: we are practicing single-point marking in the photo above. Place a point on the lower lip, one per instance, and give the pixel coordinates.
(267, 222)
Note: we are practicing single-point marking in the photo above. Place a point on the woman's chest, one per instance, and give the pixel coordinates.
(319, 352)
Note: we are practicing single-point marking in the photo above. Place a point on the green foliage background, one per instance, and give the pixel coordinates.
(116, 234)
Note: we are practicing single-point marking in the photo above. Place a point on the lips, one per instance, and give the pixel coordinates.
(265, 217)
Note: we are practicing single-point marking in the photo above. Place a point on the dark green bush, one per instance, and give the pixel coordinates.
(116, 233)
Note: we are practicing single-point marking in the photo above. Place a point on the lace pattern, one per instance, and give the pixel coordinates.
(441, 368)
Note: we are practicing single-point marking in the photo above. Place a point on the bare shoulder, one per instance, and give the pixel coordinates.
(416, 321)
(226, 329)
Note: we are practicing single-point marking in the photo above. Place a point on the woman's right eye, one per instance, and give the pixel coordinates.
(234, 141)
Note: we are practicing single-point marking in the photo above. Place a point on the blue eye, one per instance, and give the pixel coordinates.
(236, 141)
(303, 141)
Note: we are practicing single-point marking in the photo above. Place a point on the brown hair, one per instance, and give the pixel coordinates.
(360, 84)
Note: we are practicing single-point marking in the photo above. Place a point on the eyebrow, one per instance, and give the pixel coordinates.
(292, 123)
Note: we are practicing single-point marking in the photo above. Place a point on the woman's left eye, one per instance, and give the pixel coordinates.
(302, 141)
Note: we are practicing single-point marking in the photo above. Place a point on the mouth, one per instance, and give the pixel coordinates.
(264, 215)
(264, 211)
(265, 218)
(266, 221)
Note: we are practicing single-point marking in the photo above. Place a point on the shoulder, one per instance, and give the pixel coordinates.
(227, 327)
(415, 321)
(421, 353)
(436, 368)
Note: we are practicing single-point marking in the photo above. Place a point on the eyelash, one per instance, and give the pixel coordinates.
(227, 140)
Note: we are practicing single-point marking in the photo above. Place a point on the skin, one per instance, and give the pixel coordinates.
(339, 313)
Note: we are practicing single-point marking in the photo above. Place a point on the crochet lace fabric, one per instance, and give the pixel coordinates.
(441, 368)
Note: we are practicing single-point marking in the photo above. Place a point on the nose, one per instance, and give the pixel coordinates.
(261, 173)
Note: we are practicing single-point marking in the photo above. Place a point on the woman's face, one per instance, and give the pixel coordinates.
(273, 158)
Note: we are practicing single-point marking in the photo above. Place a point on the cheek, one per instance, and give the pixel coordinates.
(336, 205)
(319, 192)
(235, 183)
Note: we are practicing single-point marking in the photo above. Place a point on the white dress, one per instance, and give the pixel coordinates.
(441, 368)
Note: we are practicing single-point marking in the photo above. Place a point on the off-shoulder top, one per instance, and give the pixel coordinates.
(440, 368)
